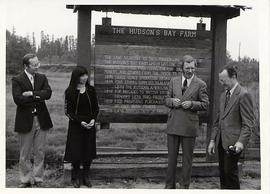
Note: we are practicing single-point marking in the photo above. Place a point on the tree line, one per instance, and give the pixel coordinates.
(50, 50)
(64, 50)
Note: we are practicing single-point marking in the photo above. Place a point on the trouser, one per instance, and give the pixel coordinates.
(187, 144)
(35, 139)
(228, 168)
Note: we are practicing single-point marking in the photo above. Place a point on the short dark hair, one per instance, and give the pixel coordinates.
(27, 57)
(189, 59)
(231, 70)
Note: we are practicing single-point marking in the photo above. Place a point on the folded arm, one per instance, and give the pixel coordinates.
(44, 93)
(18, 97)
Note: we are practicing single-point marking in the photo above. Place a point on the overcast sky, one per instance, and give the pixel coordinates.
(29, 16)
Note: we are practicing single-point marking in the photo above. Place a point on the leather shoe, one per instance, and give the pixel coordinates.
(38, 184)
(76, 183)
(87, 182)
(184, 186)
(169, 187)
(24, 185)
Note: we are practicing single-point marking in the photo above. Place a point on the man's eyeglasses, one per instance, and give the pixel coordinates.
(190, 68)
(36, 65)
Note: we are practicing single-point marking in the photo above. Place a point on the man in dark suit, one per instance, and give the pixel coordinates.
(186, 95)
(30, 90)
(232, 127)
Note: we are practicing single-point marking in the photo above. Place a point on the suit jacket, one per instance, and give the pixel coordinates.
(186, 122)
(26, 105)
(236, 121)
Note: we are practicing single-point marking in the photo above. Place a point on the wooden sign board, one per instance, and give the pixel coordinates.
(133, 67)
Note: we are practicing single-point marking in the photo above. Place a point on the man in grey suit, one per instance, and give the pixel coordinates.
(232, 127)
(186, 95)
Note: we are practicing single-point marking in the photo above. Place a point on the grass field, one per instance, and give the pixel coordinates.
(119, 135)
(250, 179)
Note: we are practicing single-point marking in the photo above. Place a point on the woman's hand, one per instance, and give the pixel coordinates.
(84, 124)
(88, 125)
(92, 122)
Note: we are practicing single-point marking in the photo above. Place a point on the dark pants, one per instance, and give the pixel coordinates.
(228, 169)
(187, 144)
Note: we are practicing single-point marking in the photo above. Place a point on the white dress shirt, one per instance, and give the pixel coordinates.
(233, 88)
(188, 80)
(30, 77)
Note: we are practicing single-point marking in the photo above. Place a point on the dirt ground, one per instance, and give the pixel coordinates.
(250, 179)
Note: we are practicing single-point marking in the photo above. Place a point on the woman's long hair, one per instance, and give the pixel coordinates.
(75, 79)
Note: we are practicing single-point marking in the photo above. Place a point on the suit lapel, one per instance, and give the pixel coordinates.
(27, 81)
(222, 103)
(178, 87)
(191, 88)
(232, 100)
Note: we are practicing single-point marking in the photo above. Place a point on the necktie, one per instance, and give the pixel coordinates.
(184, 86)
(32, 81)
(228, 95)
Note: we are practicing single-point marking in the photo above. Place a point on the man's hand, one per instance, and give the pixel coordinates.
(238, 147)
(211, 147)
(176, 102)
(186, 104)
(27, 93)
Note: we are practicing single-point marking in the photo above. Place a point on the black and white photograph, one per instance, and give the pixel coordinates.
(126, 95)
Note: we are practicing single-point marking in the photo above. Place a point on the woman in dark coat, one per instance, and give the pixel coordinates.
(81, 107)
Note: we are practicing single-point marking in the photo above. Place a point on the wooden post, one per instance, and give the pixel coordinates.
(84, 38)
(219, 29)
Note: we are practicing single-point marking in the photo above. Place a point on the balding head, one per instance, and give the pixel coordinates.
(227, 78)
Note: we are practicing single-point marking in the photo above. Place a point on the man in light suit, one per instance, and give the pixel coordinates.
(30, 90)
(186, 95)
(232, 127)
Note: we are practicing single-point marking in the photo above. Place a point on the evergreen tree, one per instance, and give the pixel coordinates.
(16, 48)
(34, 43)
(51, 50)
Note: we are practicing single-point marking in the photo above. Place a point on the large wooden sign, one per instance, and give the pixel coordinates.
(134, 65)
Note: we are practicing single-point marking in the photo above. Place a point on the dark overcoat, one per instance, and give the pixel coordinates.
(81, 142)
